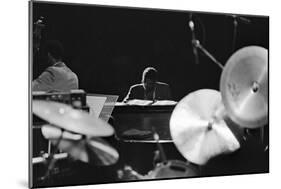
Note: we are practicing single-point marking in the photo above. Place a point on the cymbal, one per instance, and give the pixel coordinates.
(94, 151)
(52, 132)
(68, 118)
(198, 130)
(244, 87)
(89, 150)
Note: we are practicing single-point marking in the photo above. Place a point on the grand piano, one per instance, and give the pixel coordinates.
(135, 127)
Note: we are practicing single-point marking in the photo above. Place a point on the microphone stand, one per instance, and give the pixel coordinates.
(193, 37)
(235, 25)
(236, 20)
(197, 44)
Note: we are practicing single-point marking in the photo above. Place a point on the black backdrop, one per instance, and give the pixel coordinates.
(108, 47)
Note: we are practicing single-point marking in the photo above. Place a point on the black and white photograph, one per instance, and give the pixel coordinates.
(127, 94)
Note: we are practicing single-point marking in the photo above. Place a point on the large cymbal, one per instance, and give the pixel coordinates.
(244, 87)
(71, 119)
(90, 150)
(198, 130)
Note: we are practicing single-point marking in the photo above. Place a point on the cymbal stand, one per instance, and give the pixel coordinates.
(51, 162)
(161, 153)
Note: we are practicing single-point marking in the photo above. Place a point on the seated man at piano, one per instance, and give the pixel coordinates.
(57, 77)
(149, 88)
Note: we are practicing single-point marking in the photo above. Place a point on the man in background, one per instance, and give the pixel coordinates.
(150, 88)
(57, 77)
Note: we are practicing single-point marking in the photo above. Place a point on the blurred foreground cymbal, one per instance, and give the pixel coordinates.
(94, 151)
(244, 87)
(198, 130)
(89, 150)
(51, 132)
(68, 118)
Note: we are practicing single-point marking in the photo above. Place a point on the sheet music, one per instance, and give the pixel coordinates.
(139, 102)
(96, 104)
(164, 103)
(106, 103)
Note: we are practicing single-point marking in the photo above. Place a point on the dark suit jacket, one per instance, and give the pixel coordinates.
(162, 92)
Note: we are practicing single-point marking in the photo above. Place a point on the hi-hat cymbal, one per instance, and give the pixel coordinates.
(89, 150)
(71, 119)
(244, 87)
(94, 151)
(198, 130)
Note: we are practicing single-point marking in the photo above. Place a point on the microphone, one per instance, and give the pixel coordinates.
(40, 22)
(193, 40)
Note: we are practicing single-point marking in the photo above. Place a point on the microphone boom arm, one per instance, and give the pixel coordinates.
(197, 44)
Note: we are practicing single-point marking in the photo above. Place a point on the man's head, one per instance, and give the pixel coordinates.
(55, 51)
(149, 78)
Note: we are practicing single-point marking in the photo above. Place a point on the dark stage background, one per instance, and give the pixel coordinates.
(108, 48)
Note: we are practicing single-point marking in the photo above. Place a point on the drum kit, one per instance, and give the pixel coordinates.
(207, 123)
(198, 124)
